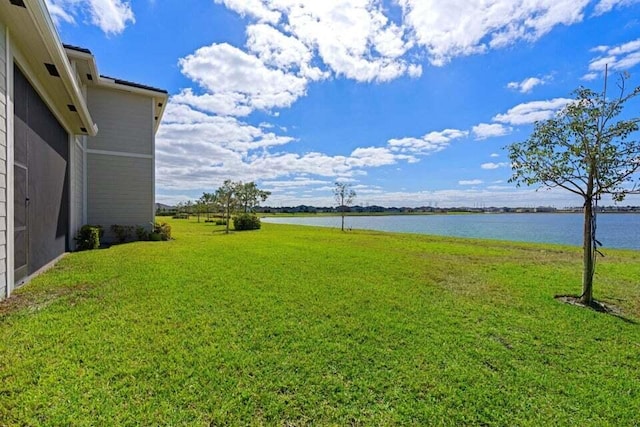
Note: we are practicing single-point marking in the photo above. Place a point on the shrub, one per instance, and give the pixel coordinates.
(221, 222)
(163, 229)
(246, 221)
(122, 232)
(141, 233)
(88, 237)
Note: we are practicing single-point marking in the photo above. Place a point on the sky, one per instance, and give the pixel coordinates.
(411, 102)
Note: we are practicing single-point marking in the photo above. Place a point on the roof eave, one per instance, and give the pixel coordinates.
(49, 36)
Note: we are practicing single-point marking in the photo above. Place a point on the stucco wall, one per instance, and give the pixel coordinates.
(3, 162)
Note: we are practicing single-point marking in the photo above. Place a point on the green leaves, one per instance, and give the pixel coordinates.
(582, 149)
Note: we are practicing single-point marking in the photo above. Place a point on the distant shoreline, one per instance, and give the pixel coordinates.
(330, 214)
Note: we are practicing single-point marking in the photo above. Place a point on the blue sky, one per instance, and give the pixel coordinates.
(410, 101)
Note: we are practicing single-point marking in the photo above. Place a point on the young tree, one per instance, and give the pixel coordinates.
(226, 196)
(250, 196)
(344, 195)
(188, 208)
(200, 208)
(585, 151)
(207, 200)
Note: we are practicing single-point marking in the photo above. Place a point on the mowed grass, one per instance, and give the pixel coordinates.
(308, 326)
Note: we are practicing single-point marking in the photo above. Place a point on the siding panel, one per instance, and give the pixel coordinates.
(120, 190)
(124, 121)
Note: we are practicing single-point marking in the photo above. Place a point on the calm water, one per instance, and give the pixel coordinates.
(614, 230)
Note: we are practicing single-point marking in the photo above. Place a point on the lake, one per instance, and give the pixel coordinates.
(614, 230)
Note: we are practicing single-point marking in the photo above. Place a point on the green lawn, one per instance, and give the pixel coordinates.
(309, 326)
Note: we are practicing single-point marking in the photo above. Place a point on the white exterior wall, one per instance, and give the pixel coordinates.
(120, 159)
(4, 114)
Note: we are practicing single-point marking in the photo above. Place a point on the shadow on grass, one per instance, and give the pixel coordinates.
(598, 306)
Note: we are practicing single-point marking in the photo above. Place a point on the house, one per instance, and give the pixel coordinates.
(76, 147)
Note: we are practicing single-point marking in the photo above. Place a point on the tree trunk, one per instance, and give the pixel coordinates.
(343, 220)
(587, 257)
(228, 217)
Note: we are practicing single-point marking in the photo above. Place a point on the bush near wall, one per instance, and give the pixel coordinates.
(88, 237)
(122, 232)
(161, 231)
(141, 233)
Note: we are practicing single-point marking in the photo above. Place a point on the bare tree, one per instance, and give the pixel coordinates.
(344, 195)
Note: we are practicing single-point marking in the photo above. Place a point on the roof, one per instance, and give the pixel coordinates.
(87, 72)
(77, 48)
(136, 85)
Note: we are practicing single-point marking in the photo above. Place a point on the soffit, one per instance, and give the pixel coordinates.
(31, 31)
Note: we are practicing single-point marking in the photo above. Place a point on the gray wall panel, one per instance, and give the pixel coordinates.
(120, 190)
(125, 122)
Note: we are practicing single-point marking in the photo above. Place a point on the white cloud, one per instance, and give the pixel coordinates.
(283, 52)
(492, 165)
(429, 143)
(605, 6)
(471, 182)
(527, 85)
(295, 183)
(494, 155)
(617, 58)
(196, 150)
(451, 29)
(353, 38)
(254, 8)
(229, 74)
(374, 157)
(291, 43)
(590, 77)
(224, 103)
(58, 13)
(530, 112)
(484, 130)
(111, 16)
